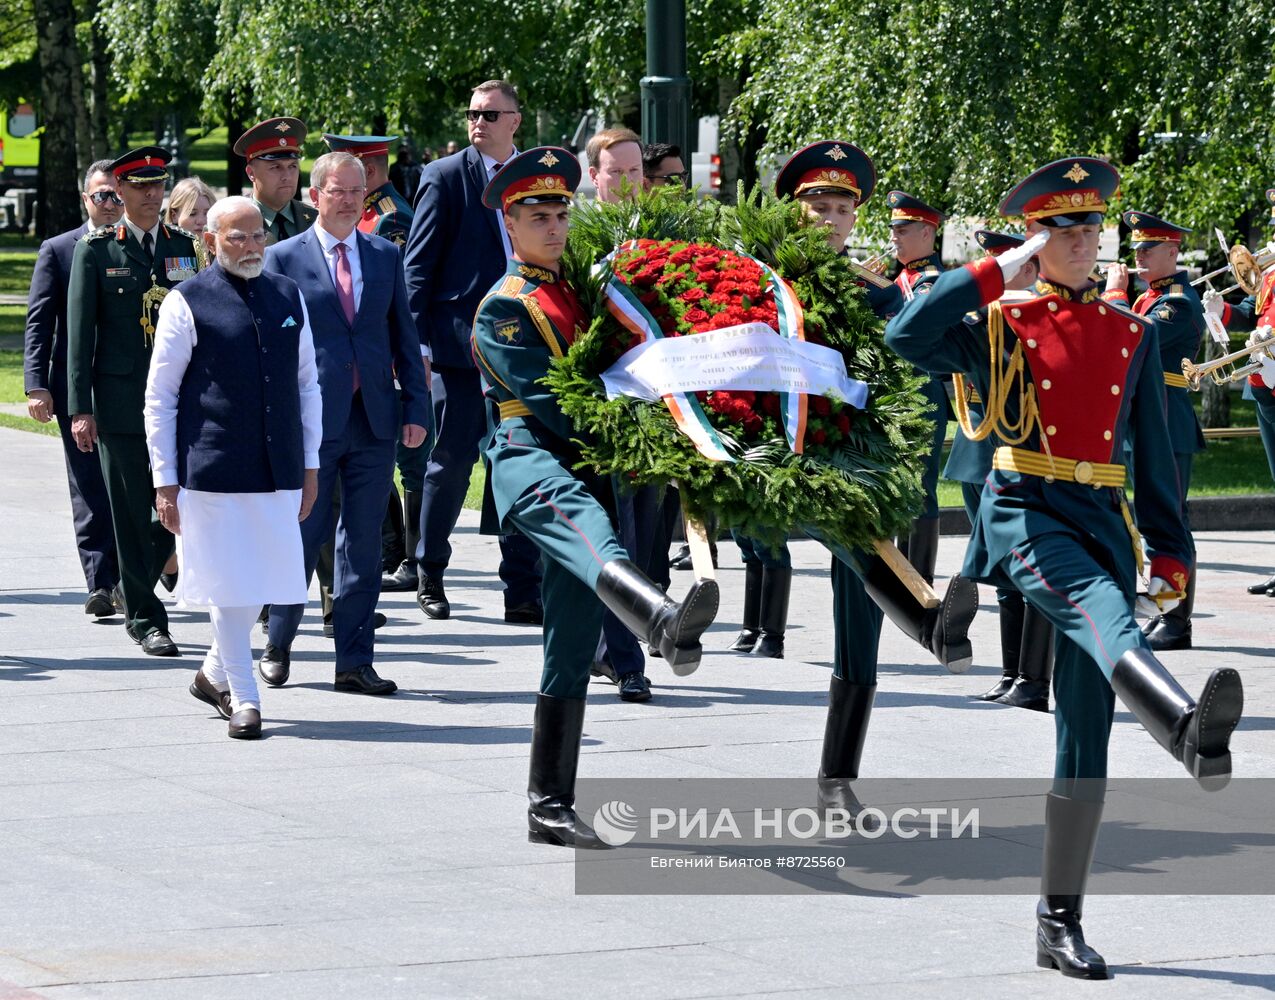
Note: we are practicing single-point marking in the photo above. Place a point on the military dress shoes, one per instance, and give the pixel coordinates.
(363, 680)
(275, 665)
(208, 692)
(401, 579)
(99, 604)
(169, 581)
(525, 614)
(158, 643)
(329, 630)
(245, 725)
(432, 600)
(1264, 587)
(635, 687)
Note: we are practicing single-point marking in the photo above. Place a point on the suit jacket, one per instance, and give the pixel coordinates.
(454, 255)
(108, 349)
(45, 361)
(382, 339)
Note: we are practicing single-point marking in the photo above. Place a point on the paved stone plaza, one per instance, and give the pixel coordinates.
(376, 848)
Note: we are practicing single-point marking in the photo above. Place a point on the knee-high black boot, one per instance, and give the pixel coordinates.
(923, 546)
(849, 709)
(1071, 833)
(404, 576)
(652, 616)
(944, 630)
(1196, 733)
(551, 787)
(776, 585)
(1010, 613)
(750, 628)
(1172, 630)
(1030, 689)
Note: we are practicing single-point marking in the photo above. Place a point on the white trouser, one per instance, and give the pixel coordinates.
(229, 659)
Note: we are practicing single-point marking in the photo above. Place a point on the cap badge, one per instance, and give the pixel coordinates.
(1076, 174)
(836, 153)
(148, 161)
(1134, 220)
(282, 127)
(549, 160)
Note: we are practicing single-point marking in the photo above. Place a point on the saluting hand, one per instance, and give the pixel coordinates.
(309, 490)
(413, 435)
(1012, 261)
(166, 507)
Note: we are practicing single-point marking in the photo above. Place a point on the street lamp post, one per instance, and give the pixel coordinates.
(666, 89)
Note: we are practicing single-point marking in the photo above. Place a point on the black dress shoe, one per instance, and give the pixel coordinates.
(997, 690)
(275, 665)
(364, 680)
(1264, 587)
(402, 578)
(1028, 693)
(99, 604)
(117, 598)
(329, 630)
(208, 692)
(525, 614)
(169, 580)
(1170, 632)
(432, 600)
(157, 643)
(245, 725)
(635, 687)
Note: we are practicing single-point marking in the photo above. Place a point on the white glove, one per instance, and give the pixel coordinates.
(1263, 335)
(1012, 261)
(1213, 303)
(1153, 602)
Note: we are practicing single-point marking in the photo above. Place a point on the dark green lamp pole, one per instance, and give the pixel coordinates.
(666, 89)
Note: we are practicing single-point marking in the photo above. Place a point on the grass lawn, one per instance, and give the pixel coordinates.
(15, 272)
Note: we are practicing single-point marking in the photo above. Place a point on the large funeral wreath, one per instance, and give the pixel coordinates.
(689, 266)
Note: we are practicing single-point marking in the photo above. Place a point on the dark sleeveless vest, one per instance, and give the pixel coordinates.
(239, 409)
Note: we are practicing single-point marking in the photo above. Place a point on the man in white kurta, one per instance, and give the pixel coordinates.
(233, 425)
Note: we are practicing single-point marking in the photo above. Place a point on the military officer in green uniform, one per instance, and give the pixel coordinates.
(914, 228)
(1027, 638)
(529, 318)
(1175, 309)
(1069, 378)
(119, 276)
(387, 214)
(273, 151)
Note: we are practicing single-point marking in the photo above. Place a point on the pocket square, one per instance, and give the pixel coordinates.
(289, 322)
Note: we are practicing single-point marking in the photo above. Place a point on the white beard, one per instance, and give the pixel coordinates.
(249, 268)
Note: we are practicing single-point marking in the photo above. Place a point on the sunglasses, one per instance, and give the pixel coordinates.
(682, 178)
(487, 116)
(102, 197)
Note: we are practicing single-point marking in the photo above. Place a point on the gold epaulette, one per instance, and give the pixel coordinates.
(386, 205)
(1176, 290)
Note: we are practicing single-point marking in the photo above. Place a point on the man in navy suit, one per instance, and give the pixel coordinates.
(364, 337)
(456, 250)
(44, 379)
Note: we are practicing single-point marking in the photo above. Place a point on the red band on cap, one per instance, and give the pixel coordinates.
(915, 215)
(271, 144)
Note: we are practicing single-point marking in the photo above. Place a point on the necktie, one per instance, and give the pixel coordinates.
(148, 244)
(345, 295)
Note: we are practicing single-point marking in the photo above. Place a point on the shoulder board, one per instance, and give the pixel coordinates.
(178, 231)
(931, 272)
(1018, 295)
(974, 317)
(100, 233)
(510, 287)
(386, 205)
(307, 212)
(1177, 290)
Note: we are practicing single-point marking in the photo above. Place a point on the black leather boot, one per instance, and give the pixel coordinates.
(750, 627)
(849, 709)
(1173, 629)
(923, 547)
(1071, 833)
(393, 546)
(1264, 587)
(1030, 689)
(551, 786)
(403, 578)
(1196, 733)
(1010, 613)
(776, 585)
(944, 630)
(651, 615)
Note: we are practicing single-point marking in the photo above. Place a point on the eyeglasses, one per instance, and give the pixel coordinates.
(102, 197)
(350, 192)
(680, 178)
(487, 116)
(241, 239)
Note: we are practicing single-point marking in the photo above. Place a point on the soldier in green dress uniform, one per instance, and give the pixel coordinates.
(1070, 377)
(529, 318)
(273, 151)
(1027, 638)
(914, 228)
(1175, 309)
(119, 276)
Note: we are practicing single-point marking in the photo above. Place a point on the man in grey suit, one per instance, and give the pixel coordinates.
(44, 380)
(456, 250)
(364, 339)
